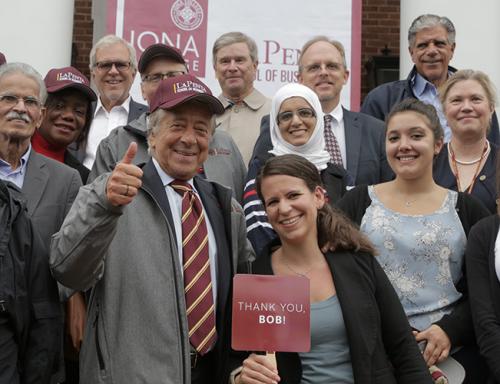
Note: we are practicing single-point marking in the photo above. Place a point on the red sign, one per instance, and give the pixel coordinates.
(178, 23)
(271, 313)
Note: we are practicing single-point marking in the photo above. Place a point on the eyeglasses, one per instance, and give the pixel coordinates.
(10, 101)
(330, 67)
(302, 113)
(157, 77)
(105, 66)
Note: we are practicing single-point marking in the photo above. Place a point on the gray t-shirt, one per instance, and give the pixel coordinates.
(329, 360)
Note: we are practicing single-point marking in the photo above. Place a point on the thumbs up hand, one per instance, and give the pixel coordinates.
(125, 180)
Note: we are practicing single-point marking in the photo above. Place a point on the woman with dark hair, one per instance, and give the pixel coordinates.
(468, 162)
(483, 269)
(296, 127)
(420, 232)
(359, 332)
(68, 117)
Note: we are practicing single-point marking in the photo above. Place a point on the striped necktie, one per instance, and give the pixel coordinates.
(196, 264)
(331, 143)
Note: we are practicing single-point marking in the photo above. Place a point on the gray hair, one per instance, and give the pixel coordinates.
(28, 71)
(154, 123)
(337, 44)
(112, 40)
(233, 38)
(431, 21)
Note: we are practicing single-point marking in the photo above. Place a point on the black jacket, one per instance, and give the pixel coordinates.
(30, 319)
(484, 288)
(458, 324)
(382, 347)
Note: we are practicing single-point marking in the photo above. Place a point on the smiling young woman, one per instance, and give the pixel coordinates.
(419, 230)
(359, 332)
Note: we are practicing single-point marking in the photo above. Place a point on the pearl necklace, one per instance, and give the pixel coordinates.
(485, 153)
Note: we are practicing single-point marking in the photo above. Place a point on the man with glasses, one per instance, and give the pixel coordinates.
(113, 65)
(224, 164)
(48, 186)
(354, 140)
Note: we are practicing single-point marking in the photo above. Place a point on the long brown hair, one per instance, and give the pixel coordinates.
(335, 230)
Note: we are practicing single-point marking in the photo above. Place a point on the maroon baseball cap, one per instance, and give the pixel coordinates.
(159, 50)
(3, 60)
(58, 79)
(174, 91)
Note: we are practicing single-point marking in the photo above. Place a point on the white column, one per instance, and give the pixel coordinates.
(39, 32)
(478, 33)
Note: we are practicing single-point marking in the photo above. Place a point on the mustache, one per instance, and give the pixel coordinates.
(21, 116)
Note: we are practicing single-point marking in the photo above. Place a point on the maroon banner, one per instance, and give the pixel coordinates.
(178, 23)
(271, 313)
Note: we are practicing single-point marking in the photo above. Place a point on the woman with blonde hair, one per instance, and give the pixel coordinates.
(468, 162)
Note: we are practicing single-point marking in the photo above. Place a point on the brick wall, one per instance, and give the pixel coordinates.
(82, 36)
(380, 27)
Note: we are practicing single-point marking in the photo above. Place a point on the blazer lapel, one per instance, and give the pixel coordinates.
(352, 142)
(359, 314)
(213, 209)
(35, 181)
(152, 183)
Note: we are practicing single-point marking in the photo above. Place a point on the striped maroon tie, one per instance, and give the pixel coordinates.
(196, 265)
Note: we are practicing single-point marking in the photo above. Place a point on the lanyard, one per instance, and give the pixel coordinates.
(454, 165)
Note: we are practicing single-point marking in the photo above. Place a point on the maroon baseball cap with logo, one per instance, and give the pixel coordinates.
(159, 50)
(3, 60)
(179, 89)
(58, 79)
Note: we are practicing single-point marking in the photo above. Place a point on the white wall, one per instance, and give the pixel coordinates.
(478, 33)
(37, 32)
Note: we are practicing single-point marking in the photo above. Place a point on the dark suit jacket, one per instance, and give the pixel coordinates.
(365, 147)
(50, 188)
(484, 290)
(216, 201)
(136, 109)
(382, 347)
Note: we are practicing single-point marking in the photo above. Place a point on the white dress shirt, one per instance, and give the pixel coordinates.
(102, 124)
(339, 130)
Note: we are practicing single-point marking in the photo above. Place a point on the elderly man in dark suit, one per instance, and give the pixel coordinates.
(159, 246)
(355, 141)
(48, 186)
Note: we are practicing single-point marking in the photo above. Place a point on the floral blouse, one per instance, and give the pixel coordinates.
(421, 254)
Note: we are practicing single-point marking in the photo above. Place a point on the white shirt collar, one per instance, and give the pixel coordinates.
(100, 107)
(337, 113)
(166, 179)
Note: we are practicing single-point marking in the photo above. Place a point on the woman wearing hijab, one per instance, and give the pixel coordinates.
(296, 127)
